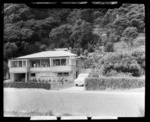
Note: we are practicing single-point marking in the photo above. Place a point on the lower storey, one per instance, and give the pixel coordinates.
(43, 76)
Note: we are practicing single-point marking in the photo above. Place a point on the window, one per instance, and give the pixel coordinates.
(63, 74)
(63, 61)
(66, 74)
(58, 62)
(20, 63)
(15, 64)
(32, 74)
(45, 63)
(35, 63)
(24, 63)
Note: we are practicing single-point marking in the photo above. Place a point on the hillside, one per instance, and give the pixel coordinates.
(28, 30)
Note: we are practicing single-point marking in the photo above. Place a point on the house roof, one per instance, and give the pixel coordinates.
(47, 54)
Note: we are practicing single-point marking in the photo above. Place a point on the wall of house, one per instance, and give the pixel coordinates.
(51, 76)
(41, 76)
(46, 76)
(69, 78)
(12, 78)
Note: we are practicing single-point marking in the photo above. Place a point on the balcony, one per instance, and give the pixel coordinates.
(61, 68)
(18, 70)
(40, 69)
(52, 69)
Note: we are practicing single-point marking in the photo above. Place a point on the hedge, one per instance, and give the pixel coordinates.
(113, 83)
(27, 85)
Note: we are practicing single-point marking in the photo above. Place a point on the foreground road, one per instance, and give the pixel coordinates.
(72, 102)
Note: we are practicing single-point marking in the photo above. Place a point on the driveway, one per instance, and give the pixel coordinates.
(72, 102)
(74, 88)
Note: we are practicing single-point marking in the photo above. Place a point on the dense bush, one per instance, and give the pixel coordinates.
(130, 62)
(109, 47)
(94, 74)
(139, 41)
(27, 85)
(113, 83)
(120, 46)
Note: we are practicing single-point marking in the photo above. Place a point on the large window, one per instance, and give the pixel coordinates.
(14, 64)
(18, 63)
(35, 63)
(58, 62)
(40, 63)
(45, 63)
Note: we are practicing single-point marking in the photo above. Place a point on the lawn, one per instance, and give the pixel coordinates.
(28, 102)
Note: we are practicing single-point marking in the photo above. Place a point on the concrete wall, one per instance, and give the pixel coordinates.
(12, 78)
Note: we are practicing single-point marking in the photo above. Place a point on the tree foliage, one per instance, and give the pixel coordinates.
(28, 30)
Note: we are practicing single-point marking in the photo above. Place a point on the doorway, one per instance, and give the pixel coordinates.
(19, 77)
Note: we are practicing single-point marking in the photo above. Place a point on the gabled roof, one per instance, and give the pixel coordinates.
(47, 54)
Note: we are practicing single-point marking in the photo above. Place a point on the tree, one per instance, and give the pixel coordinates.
(139, 41)
(10, 50)
(82, 33)
(5, 68)
(86, 53)
(61, 35)
(129, 34)
(109, 47)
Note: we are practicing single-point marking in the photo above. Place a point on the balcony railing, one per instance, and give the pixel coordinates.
(66, 68)
(18, 69)
(61, 68)
(52, 69)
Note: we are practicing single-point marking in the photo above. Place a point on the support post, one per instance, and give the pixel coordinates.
(26, 77)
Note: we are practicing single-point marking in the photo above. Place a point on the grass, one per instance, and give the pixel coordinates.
(58, 103)
(29, 113)
(35, 113)
(141, 112)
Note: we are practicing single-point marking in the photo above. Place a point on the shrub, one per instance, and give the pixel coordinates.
(114, 73)
(123, 62)
(120, 46)
(139, 41)
(113, 83)
(94, 74)
(109, 47)
(135, 69)
(27, 85)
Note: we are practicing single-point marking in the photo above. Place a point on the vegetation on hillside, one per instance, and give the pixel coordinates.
(28, 30)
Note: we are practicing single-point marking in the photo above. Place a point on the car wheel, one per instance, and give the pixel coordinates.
(76, 84)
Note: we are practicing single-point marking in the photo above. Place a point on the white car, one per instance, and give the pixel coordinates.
(80, 79)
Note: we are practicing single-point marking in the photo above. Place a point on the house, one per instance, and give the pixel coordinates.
(46, 65)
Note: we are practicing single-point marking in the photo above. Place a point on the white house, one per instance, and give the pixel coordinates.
(47, 65)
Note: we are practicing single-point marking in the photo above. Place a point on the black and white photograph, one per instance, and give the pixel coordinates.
(67, 62)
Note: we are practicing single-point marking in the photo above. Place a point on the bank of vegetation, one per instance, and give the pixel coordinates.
(112, 40)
